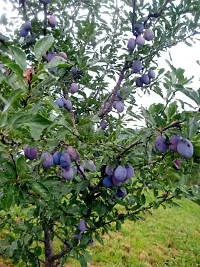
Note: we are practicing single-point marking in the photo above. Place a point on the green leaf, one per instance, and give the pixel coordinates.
(13, 97)
(57, 61)
(19, 57)
(42, 46)
(40, 189)
(7, 198)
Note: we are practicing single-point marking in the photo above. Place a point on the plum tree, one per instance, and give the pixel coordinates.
(75, 163)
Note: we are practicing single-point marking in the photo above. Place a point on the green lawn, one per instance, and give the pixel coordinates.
(169, 237)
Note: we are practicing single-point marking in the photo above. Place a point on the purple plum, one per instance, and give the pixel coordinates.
(52, 21)
(185, 148)
(63, 55)
(120, 173)
(68, 174)
(56, 157)
(173, 141)
(50, 55)
(107, 181)
(59, 102)
(120, 106)
(160, 144)
(139, 82)
(27, 26)
(116, 182)
(131, 44)
(23, 33)
(74, 155)
(151, 74)
(139, 28)
(30, 152)
(137, 66)
(140, 40)
(130, 172)
(103, 124)
(82, 226)
(148, 35)
(67, 104)
(47, 160)
(45, 1)
(65, 161)
(109, 170)
(74, 88)
(145, 79)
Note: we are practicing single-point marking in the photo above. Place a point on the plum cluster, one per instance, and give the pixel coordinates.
(63, 102)
(116, 176)
(176, 143)
(141, 35)
(145, 78)
(64, 159)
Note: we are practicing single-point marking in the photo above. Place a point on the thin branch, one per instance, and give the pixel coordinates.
(129, 147)
(15, 166)
(59, 255)
(134, 15)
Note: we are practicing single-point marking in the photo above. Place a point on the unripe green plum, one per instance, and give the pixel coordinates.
(131, 44)
(173, 141)
(47, 160)
(139, 28)
(120, 173)
(185, 148)
(63, 55)
(140, 40)
(145, 79)
(160, 144)
(137, 66)
(52, 21)
(148, 35)
(68, 174)
(30, 152)
(74, 88)
(151, 74)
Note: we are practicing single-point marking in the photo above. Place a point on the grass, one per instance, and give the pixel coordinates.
(169, 237)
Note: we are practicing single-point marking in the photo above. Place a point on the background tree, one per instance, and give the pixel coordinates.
(70, 155)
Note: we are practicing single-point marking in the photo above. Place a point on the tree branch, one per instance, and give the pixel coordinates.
(59, 255)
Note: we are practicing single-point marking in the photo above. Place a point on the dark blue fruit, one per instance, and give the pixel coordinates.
(67, 104)
(45, 1)
(56, 158)
(23, 33)
(139, 82)
(68, 174)
(119, 106)
(131, 44)
(121, 192)
(74, 155)
(65, 161)
(107, 181)
(27, 26)
(151, 74)
(103, 124)
(139, 28)
(130, 172)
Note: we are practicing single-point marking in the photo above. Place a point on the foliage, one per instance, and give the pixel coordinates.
(40, 109)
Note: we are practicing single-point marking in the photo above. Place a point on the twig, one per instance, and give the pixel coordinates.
(134, 15)
(129, 147)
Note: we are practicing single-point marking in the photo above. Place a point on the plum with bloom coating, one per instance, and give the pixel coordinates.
(185, 148)
(160, 144)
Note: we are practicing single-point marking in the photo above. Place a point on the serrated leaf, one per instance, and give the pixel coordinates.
(42, 46)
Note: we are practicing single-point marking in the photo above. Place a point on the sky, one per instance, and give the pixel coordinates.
(182, 56)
